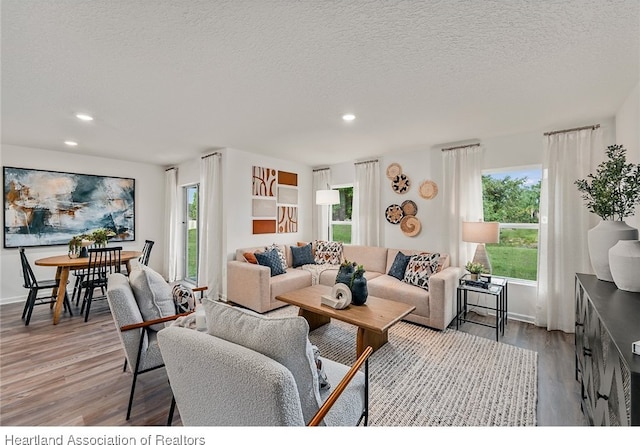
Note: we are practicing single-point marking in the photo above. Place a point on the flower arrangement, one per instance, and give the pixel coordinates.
(101, 236)
(98, 236)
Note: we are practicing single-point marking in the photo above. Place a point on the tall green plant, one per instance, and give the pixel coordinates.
(613, 191)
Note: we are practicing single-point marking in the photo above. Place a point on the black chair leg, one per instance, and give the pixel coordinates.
(26, 304)
(32, 300)
(89, 298)
(171, 410)
(133, 389)
(77, 290)
(124, 368)
(67, 304)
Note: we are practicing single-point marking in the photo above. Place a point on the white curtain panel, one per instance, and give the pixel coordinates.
(365, 228)
(320, 213)
(171, 235)
(210, 247)
(564, 222)
(462, 198)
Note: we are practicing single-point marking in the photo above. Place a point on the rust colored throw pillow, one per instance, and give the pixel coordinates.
(250, 257)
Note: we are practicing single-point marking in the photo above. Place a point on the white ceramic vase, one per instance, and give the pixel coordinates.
(602, 238)
(624, 261)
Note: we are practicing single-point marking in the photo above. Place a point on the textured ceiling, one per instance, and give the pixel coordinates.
(168, 80)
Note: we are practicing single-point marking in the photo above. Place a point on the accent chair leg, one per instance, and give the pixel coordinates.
(171, 410)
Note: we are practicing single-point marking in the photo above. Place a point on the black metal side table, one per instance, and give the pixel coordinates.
(497, 288)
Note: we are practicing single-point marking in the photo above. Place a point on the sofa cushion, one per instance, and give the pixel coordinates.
(271, 259)
(372, 258)
(152, 293)
(399, 266)
(385, 286)
(294, 279)
(284, 340)
(420, 268)
(328, 252)
(302, 255)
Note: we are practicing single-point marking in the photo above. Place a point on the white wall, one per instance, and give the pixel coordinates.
(628, 135)
(237, 205)
(149, 202)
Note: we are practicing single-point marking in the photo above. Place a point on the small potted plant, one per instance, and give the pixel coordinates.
(75, 244)
(475, 269)
(101, 236)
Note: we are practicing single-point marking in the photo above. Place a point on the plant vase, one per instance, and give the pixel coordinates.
(603, 237)
(359, 292)
(624, 261)
(345, 273)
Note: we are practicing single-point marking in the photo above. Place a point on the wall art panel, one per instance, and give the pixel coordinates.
(287, 219)
(43, 208)
(264, 226)
(287, 195)
(264, 180)
(264, 208)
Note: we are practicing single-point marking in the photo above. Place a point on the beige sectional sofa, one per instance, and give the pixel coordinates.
(251, 285)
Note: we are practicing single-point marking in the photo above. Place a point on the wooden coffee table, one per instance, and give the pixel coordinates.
(373, 319)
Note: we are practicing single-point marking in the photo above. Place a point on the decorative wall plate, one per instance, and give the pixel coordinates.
(428, 189)
(400, 184)
(394, 214)
(410, 225)
(409, 208)
(393, 170)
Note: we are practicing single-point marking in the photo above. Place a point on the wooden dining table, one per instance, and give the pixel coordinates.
(64, 264)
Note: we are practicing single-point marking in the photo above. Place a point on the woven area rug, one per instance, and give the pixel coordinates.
(424, 377)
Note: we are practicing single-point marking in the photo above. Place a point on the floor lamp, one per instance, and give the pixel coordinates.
(481, 232)
(328, 198)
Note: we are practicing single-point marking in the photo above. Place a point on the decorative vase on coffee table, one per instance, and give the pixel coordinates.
(624, 261)
(359, 291)
(602, 238)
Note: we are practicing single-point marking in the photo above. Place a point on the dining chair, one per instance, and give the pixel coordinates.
(146, 252)
(102, 262)
(34, 285)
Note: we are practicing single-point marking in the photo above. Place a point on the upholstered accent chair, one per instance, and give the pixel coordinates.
(137, 335)
(250, 370)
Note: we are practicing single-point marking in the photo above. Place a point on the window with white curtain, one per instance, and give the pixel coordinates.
(341, 215)
(512, 198)
(191, 233)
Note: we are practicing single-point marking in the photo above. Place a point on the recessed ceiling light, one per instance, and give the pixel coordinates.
(348, 117)
(71, 143)
(84, 117)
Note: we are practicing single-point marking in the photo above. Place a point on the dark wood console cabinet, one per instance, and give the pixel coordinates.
(607, 323)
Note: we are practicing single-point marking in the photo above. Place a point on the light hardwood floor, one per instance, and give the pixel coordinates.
(71, 373)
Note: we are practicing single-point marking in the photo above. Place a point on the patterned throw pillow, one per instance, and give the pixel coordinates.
(420, 268)
(271, 259)
(283, 259)
(183, 298)
(302, 255)
(328, 252)
(399, 266)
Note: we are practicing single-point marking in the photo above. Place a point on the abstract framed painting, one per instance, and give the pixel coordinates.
(46, 208)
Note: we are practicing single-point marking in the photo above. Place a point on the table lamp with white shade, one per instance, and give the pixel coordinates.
(481, 232)
(328, 198)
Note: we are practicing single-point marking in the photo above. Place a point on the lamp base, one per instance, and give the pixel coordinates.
(482, 258)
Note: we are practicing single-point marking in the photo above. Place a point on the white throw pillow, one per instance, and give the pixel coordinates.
(420, 268)
(328, 252)
(285, 340)
(153, 295)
